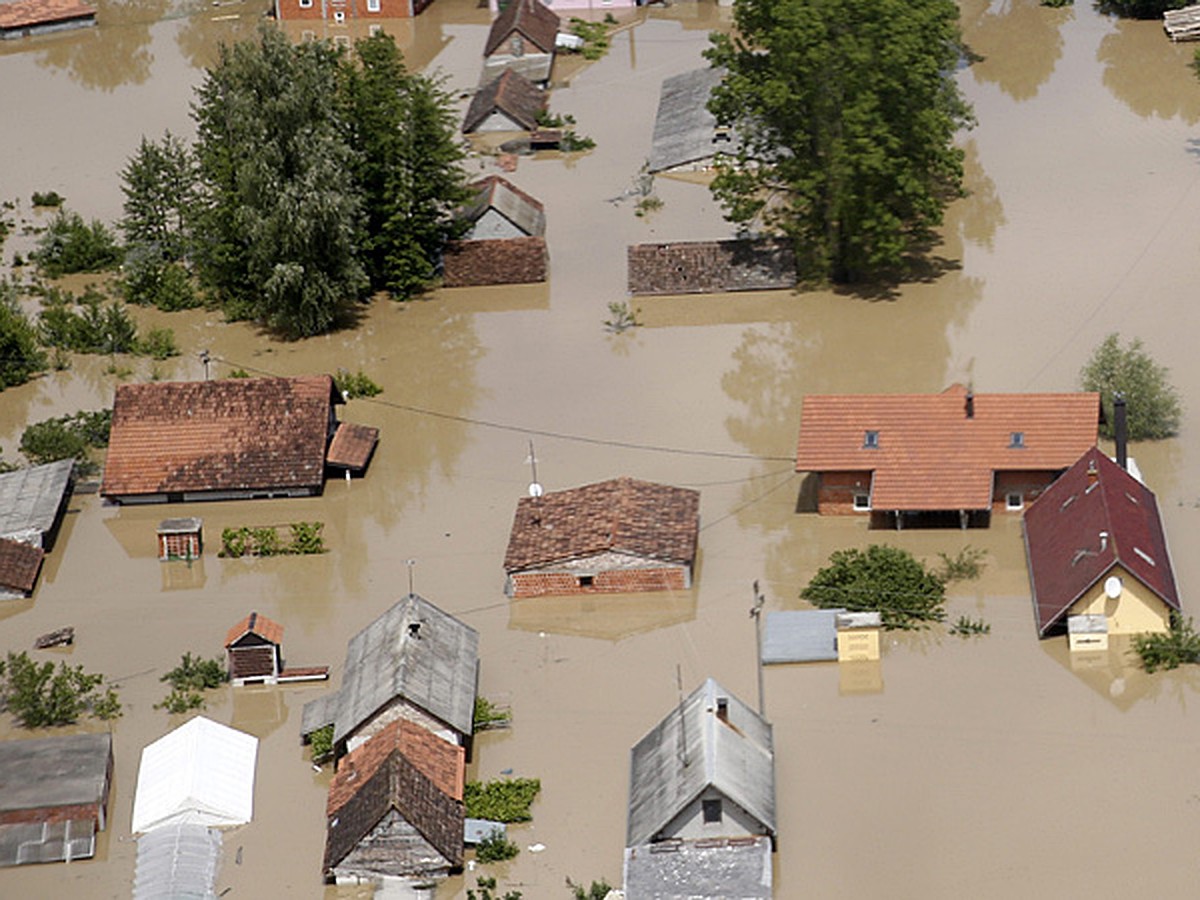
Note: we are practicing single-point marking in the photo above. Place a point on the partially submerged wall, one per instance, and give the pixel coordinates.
(710, 267)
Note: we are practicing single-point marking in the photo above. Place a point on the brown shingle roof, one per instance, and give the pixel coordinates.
(654, 521)
(233, 434)
(24, 13)
(512, 94)
(504, 261)
(352, 446)
(257, 624)
(1066, 553)
(440, 761)
(930, 455)
(19, 565)
(533, 19)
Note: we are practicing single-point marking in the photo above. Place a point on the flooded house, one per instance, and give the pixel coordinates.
(951, 458)
(687, 137)
(522, 38)
(347, 12)
(505, 243)
(395, 808)
(616, 536)
(509, 102)
(23, 18)
(711, 267)
(53, 797)
(702, 801)
(1097, 555)
(254, 655)
(32, 504)
(232, 439)
(414, 662)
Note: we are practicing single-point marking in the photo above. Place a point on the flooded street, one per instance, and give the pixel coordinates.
(968, 772)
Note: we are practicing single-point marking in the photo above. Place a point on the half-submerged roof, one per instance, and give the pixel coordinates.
(693, 748)
(622, 515)
(256, 624)
(1094, 517)
(416, 652)
(20, 564)
(510, 93)
(71, 770)
(202, 772)
(940, 451)
(30, 498)
(684, 129)
(352, 446)
(500, 194)
(232, 434)
(536, 21)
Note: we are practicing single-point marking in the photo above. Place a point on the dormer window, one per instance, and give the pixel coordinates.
(870, 440)
(1016, 440)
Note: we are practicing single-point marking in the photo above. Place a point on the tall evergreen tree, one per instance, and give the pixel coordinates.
(159, 183)
(20, 356)
(846, 111)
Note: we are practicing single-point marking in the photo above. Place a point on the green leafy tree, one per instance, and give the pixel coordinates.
(1139, 9)
(845, 113)
(71, 245)
(20, 356)
(883, 579)
(67, 437)
(277, 239)
(38, 695)
(160, 185)
(503, 800)
(149, 280)
(408, 167)
(1152, 404)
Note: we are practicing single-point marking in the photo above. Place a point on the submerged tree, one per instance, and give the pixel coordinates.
(160, 187)
(845, 114)
(883, 579)
(1152, 403)
(20, 356)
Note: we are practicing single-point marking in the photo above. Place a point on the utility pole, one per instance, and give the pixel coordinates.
(756, 615)
(410, 563)
(204, 358)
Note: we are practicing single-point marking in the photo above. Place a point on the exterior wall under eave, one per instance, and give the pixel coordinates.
(401, 709)
(690, 825)
(608, 573)
(1029, 485)
(394, 848)
(836, 492)
(1137, 611)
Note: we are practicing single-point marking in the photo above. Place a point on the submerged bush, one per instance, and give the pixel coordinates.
(71, 245)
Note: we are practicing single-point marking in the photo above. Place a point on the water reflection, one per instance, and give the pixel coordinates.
(115, 52)
(222, 23)
(1017, 41)
(1148, 73)
(1117, 676)
(609, 617)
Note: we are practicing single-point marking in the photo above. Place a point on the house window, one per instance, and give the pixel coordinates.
(587, 580)
(373, 6)
(306, 4)
(712, 810)
(871, 440)
(1014, 501)
(862, 502)
(1016, 440)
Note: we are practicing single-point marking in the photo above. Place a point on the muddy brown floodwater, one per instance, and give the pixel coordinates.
(985, 768)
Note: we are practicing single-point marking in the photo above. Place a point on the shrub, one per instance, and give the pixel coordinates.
(159, 343)
(20, 356)
(621, 316)
(46, 198)
(505, 800)
(356, 385)
(178, 702)
(495, 848)
(67, 437)
(1152, 403)
(264, 541)
(94, 329)
(598, 890)
(966, 627)
(39, 696)
(149, 280)
(306, 538)
(71, 245)
(881, 578)
(488, 715)
(322, 743)
(196, 673)
(1170, 650)
(967, 565)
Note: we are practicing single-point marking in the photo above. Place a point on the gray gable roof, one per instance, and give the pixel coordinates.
(684, 129)
(416, 652)
(687, 752)
(30, 498)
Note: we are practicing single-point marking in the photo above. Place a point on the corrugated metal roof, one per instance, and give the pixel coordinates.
(30, 498)
(177, 862)
(475, 830)
(700, 870)
(1094, 517)
(500, 194)
(684, 130)
(928, 454)
(800, 635)
(22, 843)
(54, 771)
(693, 749)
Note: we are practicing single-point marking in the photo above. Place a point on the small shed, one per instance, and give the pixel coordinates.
(202, 773)
(254, 650)
(352, 447)
(180, 538)
(522, 38)
(616, 536)
(858, 636)
(20, 564)
(509, 102)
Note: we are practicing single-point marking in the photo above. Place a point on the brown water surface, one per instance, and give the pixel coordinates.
(991, 768)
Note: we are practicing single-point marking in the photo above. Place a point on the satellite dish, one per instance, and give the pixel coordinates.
(1112, 587)
(535, 490)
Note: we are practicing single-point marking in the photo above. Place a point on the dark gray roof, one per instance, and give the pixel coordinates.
(177, 862)
(30, 498)
(686, 753)
(800, 635)
(318, 713)
(414, 651)
(54, 771)
(684, 129)
(700, 870)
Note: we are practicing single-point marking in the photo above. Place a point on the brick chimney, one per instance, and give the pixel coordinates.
(1120, 429)
(970, 404)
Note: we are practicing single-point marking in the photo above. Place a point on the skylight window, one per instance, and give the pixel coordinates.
(1016, 440)
(1144, 555)
(1068, 502)
(871, 440)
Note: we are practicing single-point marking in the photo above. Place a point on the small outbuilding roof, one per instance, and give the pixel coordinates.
(511, 93)
(71, 770)
(693, 748)
(202, 773)
(622, 515)
(20, 564)
(236, 434)
(800, 635)
(709, 869)
(26, 13)
(255, 624)
(518, 207)
(941, 451)
(536, 21)
(1094, 517)
(177, 862)
(684, 130)
(352, 446)
(30, 498)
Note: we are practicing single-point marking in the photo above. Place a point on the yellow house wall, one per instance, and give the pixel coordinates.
(1136, 611)
(858, 644)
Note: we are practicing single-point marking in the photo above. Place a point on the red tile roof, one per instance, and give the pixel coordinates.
(930, 454)
(233, 434)
(512, 94)
(352, 446)
(25, 13)
(440, 761)
(1065, 548)
(257, 624)
(654, 521)
(19, 565)
(533, 19)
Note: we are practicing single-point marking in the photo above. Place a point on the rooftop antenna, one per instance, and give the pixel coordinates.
(683, 756)
(410, 563)
(756, 615)
(204, 358)
(535, 488)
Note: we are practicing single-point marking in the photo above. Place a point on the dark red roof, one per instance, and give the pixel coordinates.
(534, 20)
(624, 515)
(1065, 547)
(234, 434)
(930, 455)
(19, 565)
(257, 624)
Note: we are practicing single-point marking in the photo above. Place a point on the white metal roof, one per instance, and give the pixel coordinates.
(202, 773)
